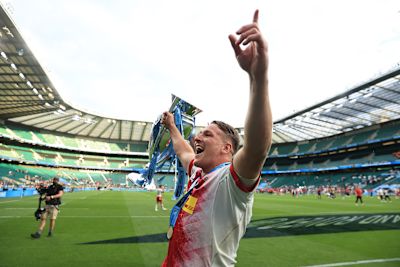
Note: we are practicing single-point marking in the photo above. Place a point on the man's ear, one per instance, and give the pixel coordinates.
(227, 148)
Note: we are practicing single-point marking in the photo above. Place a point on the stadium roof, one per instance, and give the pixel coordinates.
(372, 102)
(28, 97)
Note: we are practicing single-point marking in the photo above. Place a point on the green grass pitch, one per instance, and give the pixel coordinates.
(106, 228)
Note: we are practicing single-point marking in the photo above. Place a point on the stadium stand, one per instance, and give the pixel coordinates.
(52, 139)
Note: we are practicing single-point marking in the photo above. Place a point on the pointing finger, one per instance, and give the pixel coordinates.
(255, 17)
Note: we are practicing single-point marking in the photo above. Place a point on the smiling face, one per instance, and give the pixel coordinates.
(212, 147)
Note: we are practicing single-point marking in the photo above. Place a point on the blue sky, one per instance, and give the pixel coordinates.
(123, 59)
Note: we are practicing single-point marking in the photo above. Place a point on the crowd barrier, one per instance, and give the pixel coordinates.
(21, 192)
(18, 192)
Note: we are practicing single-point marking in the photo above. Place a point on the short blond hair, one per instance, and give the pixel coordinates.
(230, 132)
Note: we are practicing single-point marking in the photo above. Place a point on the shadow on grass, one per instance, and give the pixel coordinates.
(288, 226)
(153, 238)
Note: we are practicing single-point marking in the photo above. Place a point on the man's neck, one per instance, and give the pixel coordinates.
(216, 166)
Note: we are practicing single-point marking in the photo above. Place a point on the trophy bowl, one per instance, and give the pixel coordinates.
(160, 145)
(160, 140)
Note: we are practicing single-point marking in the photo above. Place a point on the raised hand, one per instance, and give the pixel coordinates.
(254, 57)
(168, 119)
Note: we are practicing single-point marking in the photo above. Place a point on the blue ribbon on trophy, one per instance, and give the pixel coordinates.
(161, 151)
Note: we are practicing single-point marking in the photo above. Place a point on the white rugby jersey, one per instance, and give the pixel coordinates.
(212, 221)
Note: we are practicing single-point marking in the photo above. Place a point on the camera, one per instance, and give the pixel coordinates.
(41, 189)
(38, 213)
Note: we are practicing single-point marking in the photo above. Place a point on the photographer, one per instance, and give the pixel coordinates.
(53, 195)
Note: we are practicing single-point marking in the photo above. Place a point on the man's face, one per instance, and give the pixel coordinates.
(209, 147)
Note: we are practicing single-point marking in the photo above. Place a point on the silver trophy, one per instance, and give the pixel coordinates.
(160, 148)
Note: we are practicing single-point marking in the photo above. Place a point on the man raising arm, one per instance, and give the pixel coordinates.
(258, 124)
(208, 222)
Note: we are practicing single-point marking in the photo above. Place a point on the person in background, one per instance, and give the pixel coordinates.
(358, 192)
(386, 195)
(53, 195)
(380, 193)
(159, 198)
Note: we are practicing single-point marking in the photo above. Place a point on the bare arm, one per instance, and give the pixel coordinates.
(58, 195)
(250, 159)
(182, 149)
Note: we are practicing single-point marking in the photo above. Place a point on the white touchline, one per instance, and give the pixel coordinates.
(95, 216)
(316, 214)
(8, 201)
(19, 208)
(353, 262)
(34, 208)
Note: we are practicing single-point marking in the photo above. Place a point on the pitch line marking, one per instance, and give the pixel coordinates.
(34, 208)
(98, 216)
(8, 201)
(353, 262)
(19, 208)
(315, 213)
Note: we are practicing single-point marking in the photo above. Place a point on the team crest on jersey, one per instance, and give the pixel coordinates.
(190, 204)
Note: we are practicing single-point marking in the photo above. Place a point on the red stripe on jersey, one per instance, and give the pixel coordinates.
(240, 184)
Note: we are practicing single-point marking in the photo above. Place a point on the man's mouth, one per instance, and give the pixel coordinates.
(199, 149)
